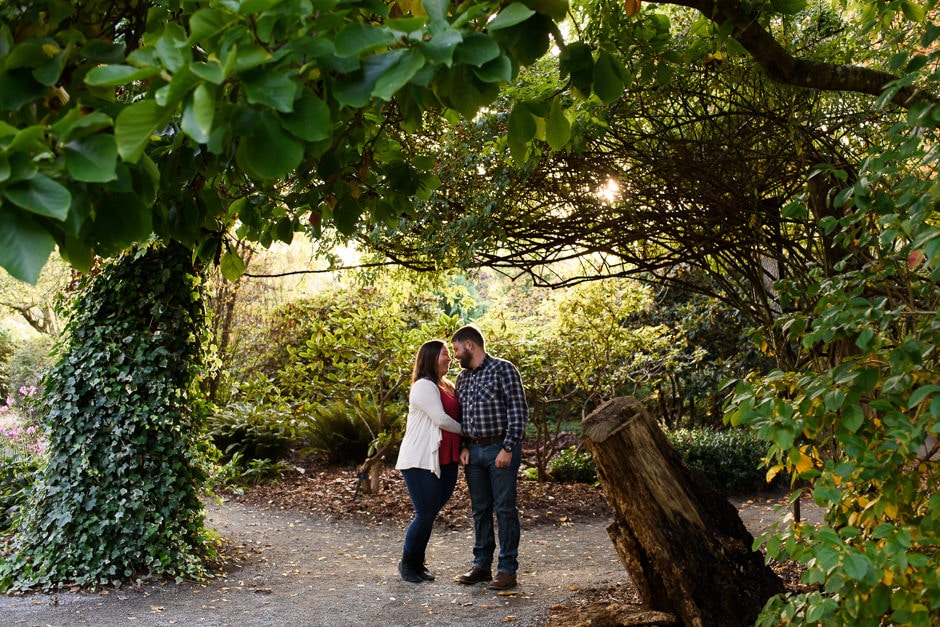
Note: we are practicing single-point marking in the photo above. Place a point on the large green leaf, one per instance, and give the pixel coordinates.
(499, 70)
(24, 245)
(115, 75)
(198, 114)
(120, 220)
(134, 127)
(558, 128)
(41, 195)
(608, 77)
(407, 64)
(18, 87)
(92, 159)
(270, 88)
(355, 90)
(311, 119)
(268, 152)
(205, 24)
(515, 13)
(476, 49)
(346, 214)
(232, 265)
(358, 39)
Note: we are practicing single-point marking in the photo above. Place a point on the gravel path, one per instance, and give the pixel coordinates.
(301, 570)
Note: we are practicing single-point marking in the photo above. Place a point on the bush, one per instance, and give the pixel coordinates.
(340, 435)
(251, 431)
(572, 466)
(30, 360)
(731, 460)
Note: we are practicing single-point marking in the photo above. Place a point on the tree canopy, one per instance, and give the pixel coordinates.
(185, 118)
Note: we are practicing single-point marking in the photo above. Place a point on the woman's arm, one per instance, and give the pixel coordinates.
(427, 397)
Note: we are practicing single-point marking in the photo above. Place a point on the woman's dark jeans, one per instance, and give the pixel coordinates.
(428, 495)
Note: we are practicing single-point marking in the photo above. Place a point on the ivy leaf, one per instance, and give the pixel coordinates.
(24, 245)
(92, 159)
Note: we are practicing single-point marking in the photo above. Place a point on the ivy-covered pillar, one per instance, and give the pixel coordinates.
(119, 497)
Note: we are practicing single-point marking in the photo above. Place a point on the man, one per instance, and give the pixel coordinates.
(492, 402)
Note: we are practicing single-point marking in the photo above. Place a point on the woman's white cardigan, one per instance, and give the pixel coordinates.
(426, 418)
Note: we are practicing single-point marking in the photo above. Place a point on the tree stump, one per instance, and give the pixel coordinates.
(682, 543)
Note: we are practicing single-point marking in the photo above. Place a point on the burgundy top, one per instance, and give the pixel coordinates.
(450, 442)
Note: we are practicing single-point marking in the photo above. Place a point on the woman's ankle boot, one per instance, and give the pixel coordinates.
(423, 571)
(407, 569)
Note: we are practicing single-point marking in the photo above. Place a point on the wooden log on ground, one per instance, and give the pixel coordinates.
(683, 544)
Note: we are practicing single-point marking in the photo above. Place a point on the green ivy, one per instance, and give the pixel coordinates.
(119, 497)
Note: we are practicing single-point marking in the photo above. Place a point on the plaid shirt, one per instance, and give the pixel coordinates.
(492, 401)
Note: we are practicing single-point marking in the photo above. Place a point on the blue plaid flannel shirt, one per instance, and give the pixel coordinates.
(492, 401)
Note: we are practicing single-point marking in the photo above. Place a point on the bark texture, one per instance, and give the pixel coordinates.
(682, 543)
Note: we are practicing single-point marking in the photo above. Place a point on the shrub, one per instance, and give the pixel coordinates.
(252, 431)
(340, 435)
(31, 359)
(572, 466)
(729, 459)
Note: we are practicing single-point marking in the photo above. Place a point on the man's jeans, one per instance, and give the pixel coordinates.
(492, 490)
(428, 495)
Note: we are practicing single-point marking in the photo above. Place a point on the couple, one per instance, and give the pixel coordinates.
(479, 423)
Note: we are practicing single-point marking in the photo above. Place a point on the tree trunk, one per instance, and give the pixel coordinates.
(682, 543)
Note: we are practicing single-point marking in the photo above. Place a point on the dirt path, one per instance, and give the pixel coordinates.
(301, 570)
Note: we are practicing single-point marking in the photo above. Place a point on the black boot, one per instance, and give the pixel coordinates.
(423, 571)
(408, 570)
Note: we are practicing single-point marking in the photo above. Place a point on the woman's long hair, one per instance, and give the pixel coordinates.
(426, 361)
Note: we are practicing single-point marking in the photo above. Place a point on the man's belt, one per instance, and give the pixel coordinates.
(486, 441)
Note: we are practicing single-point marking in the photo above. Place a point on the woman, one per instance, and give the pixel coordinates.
(430, 452)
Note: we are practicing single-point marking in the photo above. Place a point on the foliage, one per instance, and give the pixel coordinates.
(252, 431)
(730, 460)
(22, 453)
(575, 349)
(118, 498)
(339, 360)
(208, 106)
(860, 415)
(7, 346)
(339, 435)
(572, 466)
(31, 359)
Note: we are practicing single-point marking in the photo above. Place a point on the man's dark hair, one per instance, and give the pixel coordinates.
(471, 333)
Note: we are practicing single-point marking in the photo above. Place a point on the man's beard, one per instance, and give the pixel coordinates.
(465, 361)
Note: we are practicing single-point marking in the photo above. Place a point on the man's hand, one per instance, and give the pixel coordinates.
(503, 459)
(464, 456)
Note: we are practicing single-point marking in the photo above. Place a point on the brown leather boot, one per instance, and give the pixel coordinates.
(474, 575)
(503, 581)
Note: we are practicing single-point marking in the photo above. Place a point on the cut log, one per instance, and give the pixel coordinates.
(682, 543)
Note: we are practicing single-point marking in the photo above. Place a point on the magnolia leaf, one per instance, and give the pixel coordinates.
(270, 88)
(210, 71)
(232, 265)
(41, 195)
(346, 214)
(92, 159)
(357, 39)
(268, 152)
(499, 70)
(115, 75)
(515, 13)
(558, 128)
(24, 245)
(207, 23)
(608, 78)
(134, 127)
(398, 74)
(310, 120)
(476, 49)
(521, 124)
